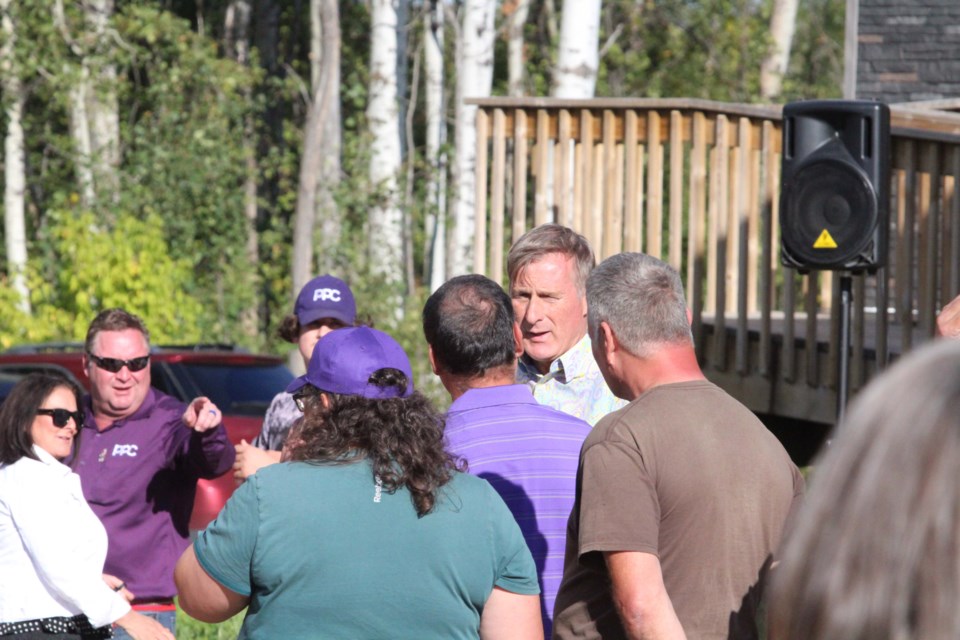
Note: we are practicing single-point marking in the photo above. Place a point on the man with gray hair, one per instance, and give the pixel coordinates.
(683, 495)
(548, 268)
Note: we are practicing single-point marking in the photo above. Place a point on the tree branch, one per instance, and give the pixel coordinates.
(60, 21)
(610, 41)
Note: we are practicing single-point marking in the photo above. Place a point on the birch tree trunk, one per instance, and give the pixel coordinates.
(266, 35)
(436, 218)
(93, 109)
(103, 109)
(410, 154)
(80, 133)
(403, 82)
(783, 23)
(575, 75)
(14, 163)
(475, 80)
(383, 118)
(237, 46)
(515, 47)
(311, 160)
(325, 61)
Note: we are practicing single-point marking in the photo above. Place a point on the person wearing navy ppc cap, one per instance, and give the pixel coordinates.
(323, 305)
(368, 529)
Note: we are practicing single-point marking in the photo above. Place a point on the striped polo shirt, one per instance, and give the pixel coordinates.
(529, 453)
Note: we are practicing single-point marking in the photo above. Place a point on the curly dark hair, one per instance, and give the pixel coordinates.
(402, 437)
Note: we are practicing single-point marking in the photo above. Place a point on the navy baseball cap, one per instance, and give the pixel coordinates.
(343, 361)
(325, 297)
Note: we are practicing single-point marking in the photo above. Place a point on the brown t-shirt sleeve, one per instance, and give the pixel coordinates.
(619, 509)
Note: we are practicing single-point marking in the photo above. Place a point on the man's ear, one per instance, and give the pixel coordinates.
(433, 360)
(608, 341)
(85, 363)
(689, 317)
(517, 341)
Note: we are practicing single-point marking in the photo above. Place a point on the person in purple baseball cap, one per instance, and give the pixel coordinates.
(369, 528)
(323, 305)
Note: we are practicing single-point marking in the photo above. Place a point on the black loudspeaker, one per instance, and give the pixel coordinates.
(835, 196)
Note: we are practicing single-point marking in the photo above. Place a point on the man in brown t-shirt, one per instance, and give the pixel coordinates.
(682, 495)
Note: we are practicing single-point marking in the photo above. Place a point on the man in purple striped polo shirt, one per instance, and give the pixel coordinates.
(527, 451)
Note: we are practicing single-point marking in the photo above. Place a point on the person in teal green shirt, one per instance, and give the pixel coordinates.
(369, 529)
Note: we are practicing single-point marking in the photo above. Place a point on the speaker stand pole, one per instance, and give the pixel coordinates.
(846, 287)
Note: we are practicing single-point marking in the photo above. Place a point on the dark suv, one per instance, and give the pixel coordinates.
(240, 383)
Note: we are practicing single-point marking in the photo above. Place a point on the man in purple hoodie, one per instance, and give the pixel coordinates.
(140, 455)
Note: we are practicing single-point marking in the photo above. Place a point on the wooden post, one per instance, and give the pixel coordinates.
(541, 213)
(768, 267)
(928, 213)
(952, 228)
(563, 172)
(633, 211)
(613, 192)
(906, 203)
(696, 252)
(497, 195)
(675, 219)
(654, 240)
(720, 205)
(586, 177)
(519, 174)
(480, 212)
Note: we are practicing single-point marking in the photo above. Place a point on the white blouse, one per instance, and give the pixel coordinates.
(52, 546)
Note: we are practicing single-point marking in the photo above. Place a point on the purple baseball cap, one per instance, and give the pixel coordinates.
(325, 297)
(343, 361)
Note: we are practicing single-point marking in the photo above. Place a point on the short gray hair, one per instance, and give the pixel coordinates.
(642, 300)
(552, 238)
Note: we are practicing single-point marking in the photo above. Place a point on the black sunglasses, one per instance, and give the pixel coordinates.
(114, 365)
(62, 416)
(302, 396)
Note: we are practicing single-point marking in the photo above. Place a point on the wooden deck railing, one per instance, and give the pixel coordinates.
(696, 183)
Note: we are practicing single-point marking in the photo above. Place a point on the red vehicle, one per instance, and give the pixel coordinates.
(240, 383)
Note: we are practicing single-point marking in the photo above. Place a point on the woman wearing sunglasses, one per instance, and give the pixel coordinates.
(52, 546)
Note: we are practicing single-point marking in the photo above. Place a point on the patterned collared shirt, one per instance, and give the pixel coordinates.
(281, 415)
(573, 385)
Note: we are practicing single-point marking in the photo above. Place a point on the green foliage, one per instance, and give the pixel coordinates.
(96, 268)
(190, 629)
(15, 325)
(184, 157)
(183, 108)
(816, 59)
(190, 117)
(541, 33)
(678, 48)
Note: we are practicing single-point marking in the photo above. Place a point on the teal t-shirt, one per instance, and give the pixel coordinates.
(323, 552)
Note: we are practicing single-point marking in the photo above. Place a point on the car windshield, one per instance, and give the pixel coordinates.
(244, 390)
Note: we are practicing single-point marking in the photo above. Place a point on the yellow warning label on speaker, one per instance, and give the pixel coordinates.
(825, 241)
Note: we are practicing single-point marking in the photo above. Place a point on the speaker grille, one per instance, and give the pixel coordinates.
(829, 196)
